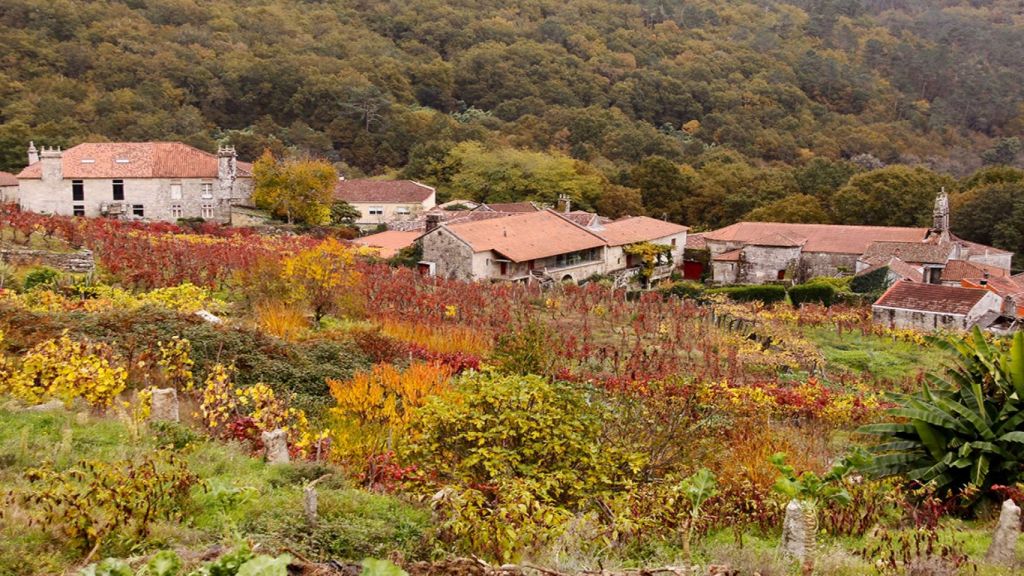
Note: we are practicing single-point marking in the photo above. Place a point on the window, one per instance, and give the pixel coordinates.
(118, 189)
(138, 210)
(176, 191)
(376, 210)
(177, 212)
(207, 211)
(207, 190)
(782, 275)
(404, 210)
(78, 210)
(78, 190)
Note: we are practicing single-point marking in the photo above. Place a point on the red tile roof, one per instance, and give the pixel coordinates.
(390, 242)
(696, 242)
(979, 249)
(934, 298)
(898, 267)
(775, 239)
(514, 207)
(829, 238)
(999, 285)
(639, 229)
(383, 191)
(8, 179)
(525, 237)
(730, 256)
(135, 160)
(957, 270)
(918, 252)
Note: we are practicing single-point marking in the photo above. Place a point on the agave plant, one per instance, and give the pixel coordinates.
(966, 425)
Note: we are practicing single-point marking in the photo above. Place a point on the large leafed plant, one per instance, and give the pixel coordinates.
(966, 425)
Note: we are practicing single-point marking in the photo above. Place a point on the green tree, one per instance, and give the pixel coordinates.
(991, 214)
(798, 208)
(891, 196)
(664, 188)
(618, 201)
(296, 190)
(511, 175)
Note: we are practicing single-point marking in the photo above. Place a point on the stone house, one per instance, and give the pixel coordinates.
(758, 252)
(8, 188)
(930, 307)
(631, 230)
(545, 245)
(152, 180)
(540, 244)
(385, 201)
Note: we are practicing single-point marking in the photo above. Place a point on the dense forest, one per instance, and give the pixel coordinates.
(704, 111)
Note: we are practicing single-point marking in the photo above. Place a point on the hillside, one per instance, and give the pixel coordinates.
(751, 103)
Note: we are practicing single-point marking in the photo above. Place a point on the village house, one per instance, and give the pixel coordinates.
(759, 252)
(518, 247)
(152, 180)
(931, 307)
(545, 245)
(8, 188)
(385, 201)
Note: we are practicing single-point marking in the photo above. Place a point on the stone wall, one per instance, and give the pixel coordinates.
(918, 320)
(154, 194)
(452, 258)
(77, 262)
(8, 194)
(760, 264)
(814, 264)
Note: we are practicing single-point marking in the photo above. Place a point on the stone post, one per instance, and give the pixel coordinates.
(276, 446)
(164, 405)
(793, 536)
(1004, 541)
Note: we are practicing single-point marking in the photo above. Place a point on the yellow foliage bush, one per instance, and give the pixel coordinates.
(64, 369)
(186, 298)
(446, 339)
(373, 407)
(281, 320)
(323, 278)
(176, 363)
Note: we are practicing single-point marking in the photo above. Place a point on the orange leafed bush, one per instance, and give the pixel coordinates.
(386, 395)
(281, 320)
(444, 339)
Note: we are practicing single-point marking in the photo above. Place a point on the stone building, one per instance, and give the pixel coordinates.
(532, 244)
(151, 180)
(758, 252)
(385, 201)
(631, 230)
(930, 307)
(545, 245)
(8, 188)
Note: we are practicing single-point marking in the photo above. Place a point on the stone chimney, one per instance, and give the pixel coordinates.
(433, 221)
(940, 216)
(564, 203)
(227, 170)
(52, 160)
(33, 154)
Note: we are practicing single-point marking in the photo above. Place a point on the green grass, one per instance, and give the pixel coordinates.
(885, 358)
(239, 497)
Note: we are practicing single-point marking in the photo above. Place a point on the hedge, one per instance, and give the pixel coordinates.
(767, 293)
(813, 292)
(872, 282)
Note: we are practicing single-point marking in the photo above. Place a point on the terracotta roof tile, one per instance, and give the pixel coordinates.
(514, 207)
(135, 160)
(777, 239)
(931, 298)
(447, 216)
(730, 256)
(639, 229)
(525, 237)
(383, 191)
(979, 249)
(999, 285)
(8, 179)
(957, 270)
(919, 252)
(829, 238)
(696, 242)
(388, 243)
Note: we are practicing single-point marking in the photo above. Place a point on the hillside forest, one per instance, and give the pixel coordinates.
(705, 112)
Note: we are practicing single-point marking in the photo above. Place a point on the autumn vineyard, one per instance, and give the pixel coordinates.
(451, 427)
